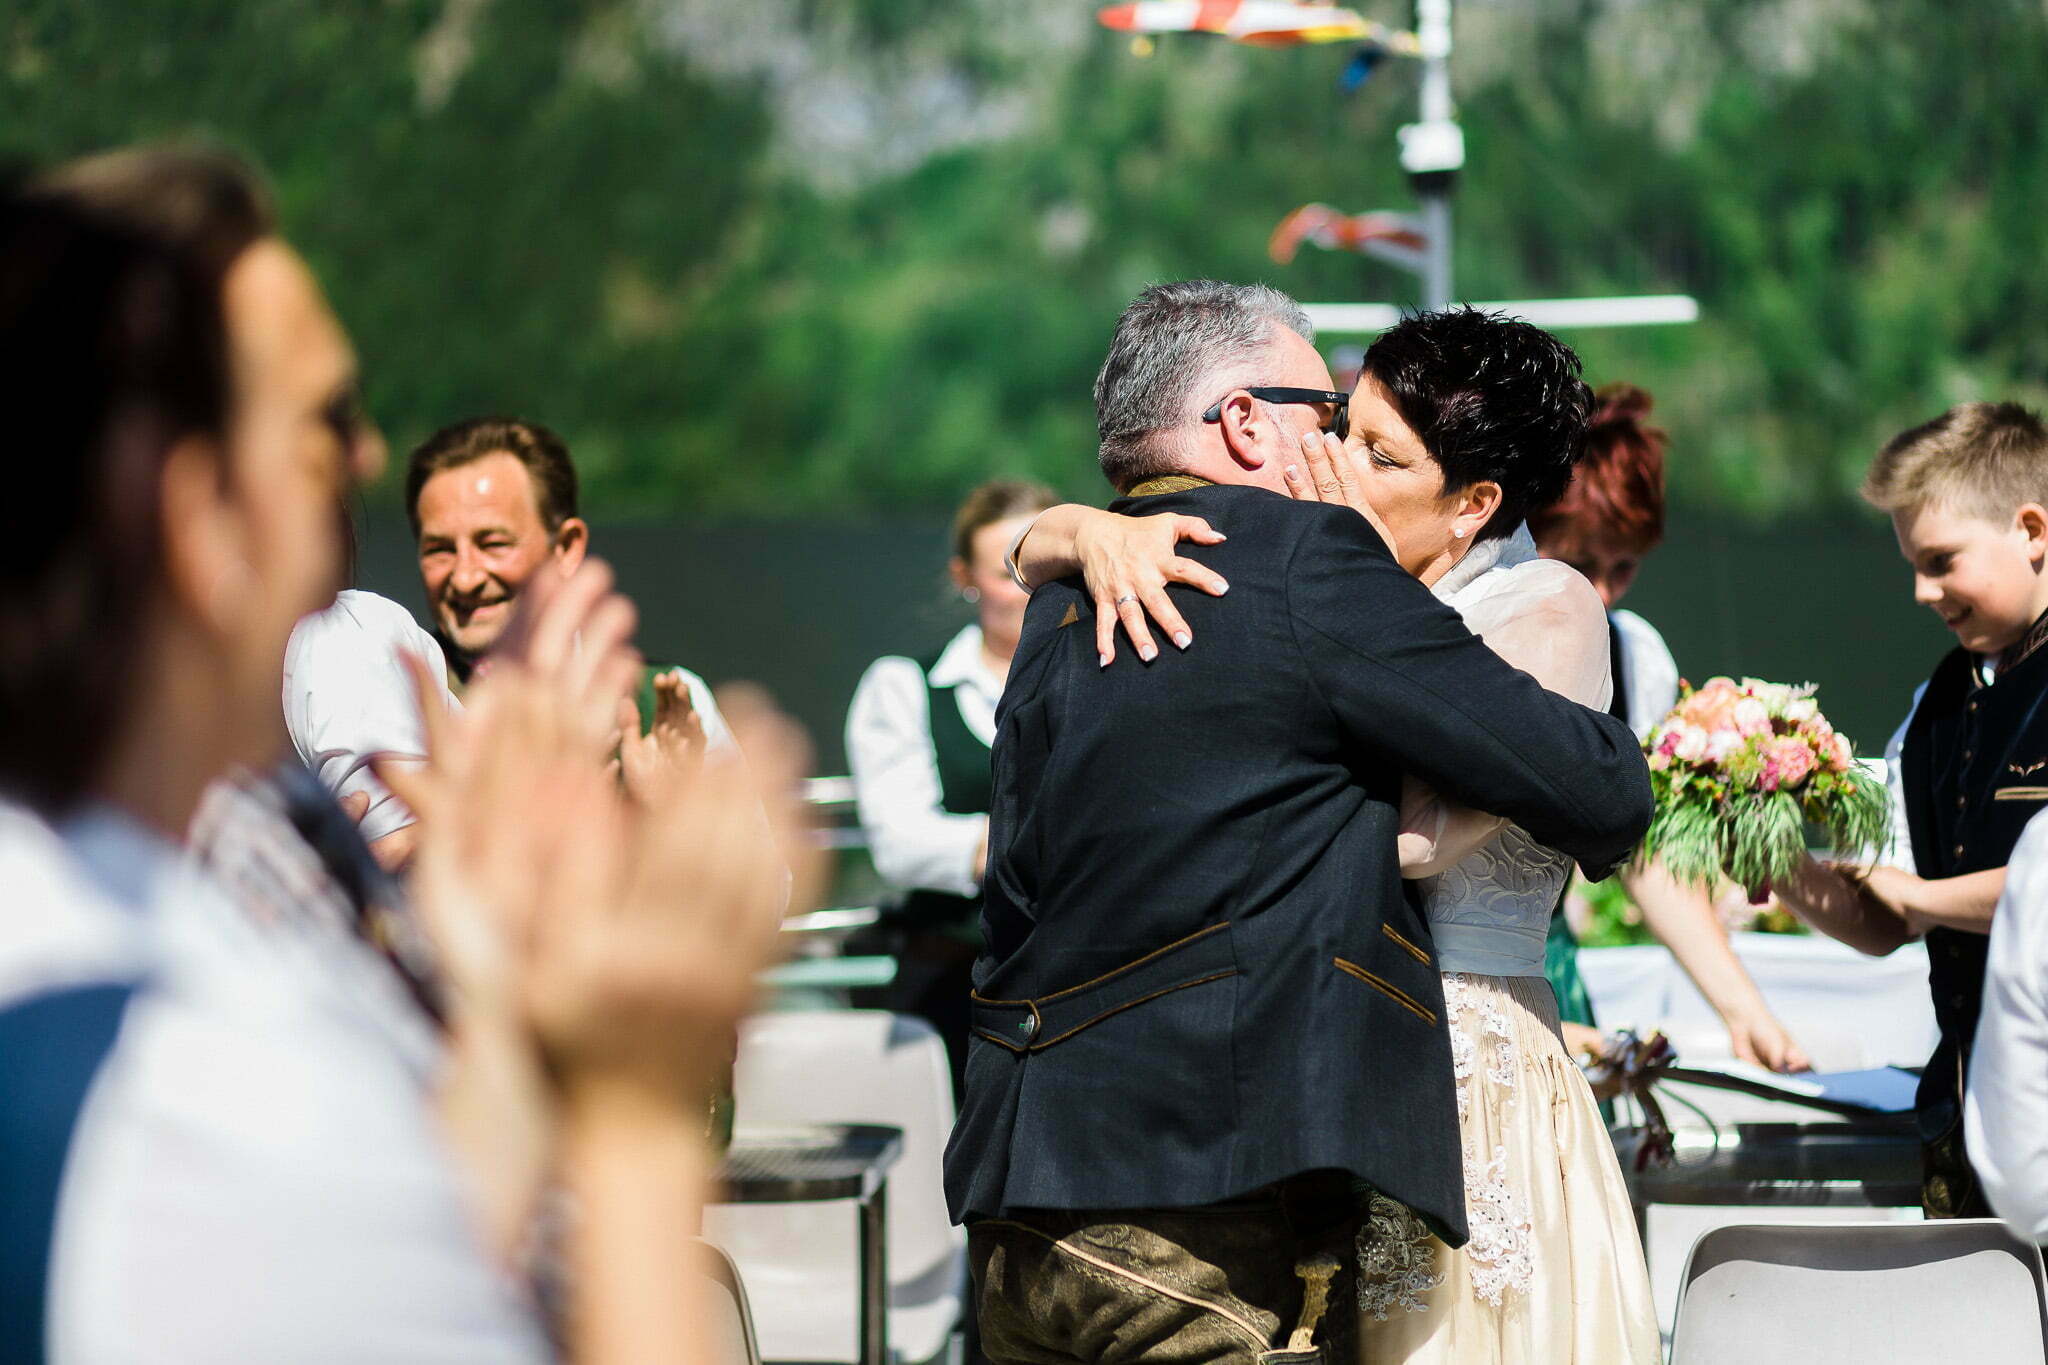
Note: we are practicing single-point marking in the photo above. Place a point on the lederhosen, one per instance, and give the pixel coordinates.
(1975, 769)
(941, 932)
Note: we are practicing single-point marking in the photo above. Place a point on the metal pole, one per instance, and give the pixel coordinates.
(1434, 149)
(874, 1276)
(1436, 266)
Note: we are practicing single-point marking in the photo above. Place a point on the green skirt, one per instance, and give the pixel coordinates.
(1561, 965)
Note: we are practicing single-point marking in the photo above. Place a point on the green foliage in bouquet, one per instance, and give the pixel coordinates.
(1740, 770)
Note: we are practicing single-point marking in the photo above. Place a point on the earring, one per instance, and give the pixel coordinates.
(970, 595)
(1458, 531)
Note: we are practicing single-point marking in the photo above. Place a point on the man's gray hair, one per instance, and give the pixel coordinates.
(1172, 344)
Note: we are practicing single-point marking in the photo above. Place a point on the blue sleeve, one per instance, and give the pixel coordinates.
(51, 1047)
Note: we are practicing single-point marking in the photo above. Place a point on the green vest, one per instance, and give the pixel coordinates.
(965, 786)
(1561, 965)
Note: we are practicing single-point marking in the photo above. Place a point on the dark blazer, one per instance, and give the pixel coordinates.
(1202, 972)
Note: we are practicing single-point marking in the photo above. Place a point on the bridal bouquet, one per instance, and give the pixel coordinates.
(1739, 771)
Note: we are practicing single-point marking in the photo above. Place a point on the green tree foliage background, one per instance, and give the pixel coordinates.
(794, 257)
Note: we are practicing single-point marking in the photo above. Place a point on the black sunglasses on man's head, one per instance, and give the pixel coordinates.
(1340, 425)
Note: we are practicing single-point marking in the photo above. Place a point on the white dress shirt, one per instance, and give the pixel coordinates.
(256, 1173)
(348, 697)
(916, 843)
(2005, 1104)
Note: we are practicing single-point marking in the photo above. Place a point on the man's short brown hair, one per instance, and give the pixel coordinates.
(1984, 459)
(544, 454)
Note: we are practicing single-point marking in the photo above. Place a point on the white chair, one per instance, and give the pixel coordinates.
(1902, 1293)
(800, 1260)
(730, 1331)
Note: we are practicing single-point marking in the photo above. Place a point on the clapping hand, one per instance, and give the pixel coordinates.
(617, 942)
(672, 747)
(626, 938)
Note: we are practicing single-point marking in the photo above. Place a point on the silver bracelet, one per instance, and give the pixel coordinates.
(1010, 555)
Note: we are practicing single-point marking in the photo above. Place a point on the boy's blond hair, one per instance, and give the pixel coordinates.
(1983, 459)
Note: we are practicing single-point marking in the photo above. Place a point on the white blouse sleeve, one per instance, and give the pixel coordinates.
(2005, 1104)
(1652, 672)
(347, 697)
(916, 843)
(1547, 621)
(1899, 851)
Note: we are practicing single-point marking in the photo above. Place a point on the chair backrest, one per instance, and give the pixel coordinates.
(729, 1321)
(1902, 1293)
(864, 1066)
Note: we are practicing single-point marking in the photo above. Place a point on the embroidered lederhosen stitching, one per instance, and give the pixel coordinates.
(1402, 942)
(1237, 1320)
(1388, 989)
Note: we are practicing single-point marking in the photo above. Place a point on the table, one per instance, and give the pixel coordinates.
(830, 973)
(815, 1163)
(1856, 1162)
(1847, 1010)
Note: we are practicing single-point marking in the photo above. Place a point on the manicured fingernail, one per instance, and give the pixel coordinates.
(1183, 639)
(1149, 653)
(1222, 587)
(1103, 659)
(1293, 473)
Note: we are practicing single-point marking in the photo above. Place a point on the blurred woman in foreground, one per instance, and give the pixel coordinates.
(1608, 520)
(211, 1143)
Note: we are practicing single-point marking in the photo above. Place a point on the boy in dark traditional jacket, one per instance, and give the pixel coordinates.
(1968, 497)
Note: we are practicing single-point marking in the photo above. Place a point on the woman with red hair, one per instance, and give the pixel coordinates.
(1610, 517)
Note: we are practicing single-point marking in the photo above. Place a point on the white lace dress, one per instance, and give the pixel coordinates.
(1554, 1272)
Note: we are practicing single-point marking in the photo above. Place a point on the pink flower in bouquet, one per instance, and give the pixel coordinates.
(1688, 742)
(1722, 743)
(1787, 763)
(1713, 706)
(1842, 754)
(1750, 716)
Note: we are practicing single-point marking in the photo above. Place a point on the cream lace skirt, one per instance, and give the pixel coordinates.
(1554, 1272)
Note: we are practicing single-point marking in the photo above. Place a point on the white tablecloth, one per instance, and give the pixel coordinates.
(1847, 1010)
